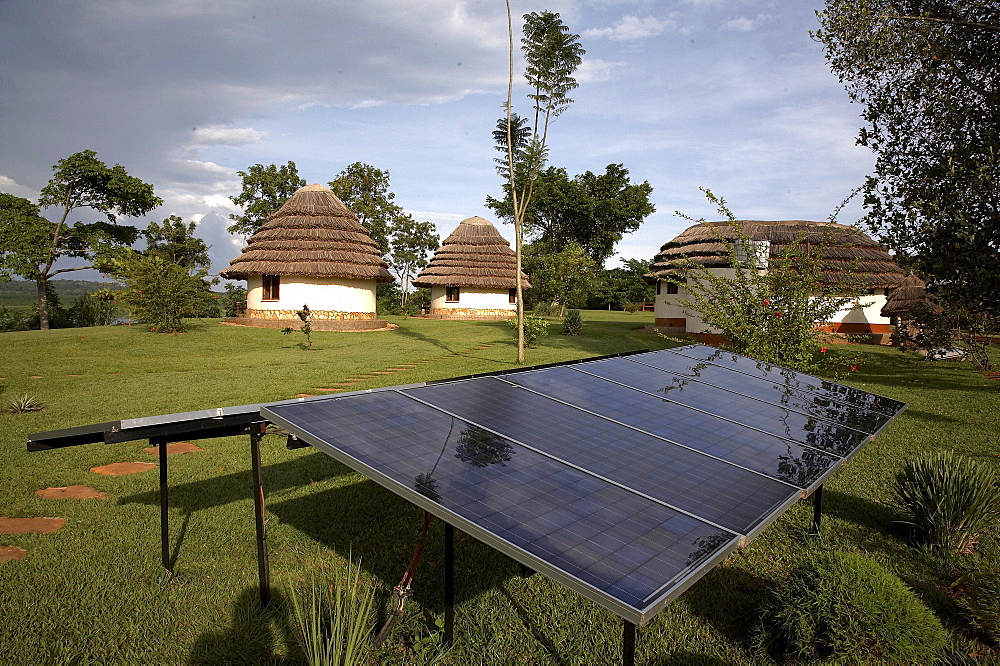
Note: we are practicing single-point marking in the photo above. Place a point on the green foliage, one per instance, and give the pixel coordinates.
(411, 242)
(618, 287)
(552, 54)
(930, 327)
(97, 308)
(265, 189)
(982, 604)
(305, 314)
(844, 606)
(365, 190)
(543, 309)
(535, 328)
(566, 277)
(160, 293)
(175, 242)
(234, 301)
(950, 499)
(22, 404)
(572, 322)
(767, 312)
(334, 623)
(925, 72)
(33, 244)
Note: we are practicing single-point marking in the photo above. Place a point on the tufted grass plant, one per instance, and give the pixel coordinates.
(23, 404)
(950, 499)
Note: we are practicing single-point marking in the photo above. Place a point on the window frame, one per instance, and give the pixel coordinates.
(452, 290)
(271, 288)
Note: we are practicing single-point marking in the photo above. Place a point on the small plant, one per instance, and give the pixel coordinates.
(334, 624)
(844, 606)
(572, 322)
(632, 307)
(535, 328)
(305, 314)
(22, 404)
(951, 500)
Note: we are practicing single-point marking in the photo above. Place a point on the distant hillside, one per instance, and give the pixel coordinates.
(20, 294)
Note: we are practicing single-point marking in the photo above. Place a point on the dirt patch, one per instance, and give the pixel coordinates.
(72, 375)
(26, 525)
(381, 372)
(11, 553)
(347, 383)
(328, 390)
(37, 377)
(395, 369)
(71, 493)
(123, 468)
(305, 395)
(174, 448)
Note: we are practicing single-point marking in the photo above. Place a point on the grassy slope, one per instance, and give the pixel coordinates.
(95, 591)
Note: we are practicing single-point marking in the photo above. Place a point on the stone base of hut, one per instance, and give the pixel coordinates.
(316, 324)
(469, 313)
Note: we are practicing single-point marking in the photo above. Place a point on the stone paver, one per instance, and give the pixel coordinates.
(11, 553)
(123, 468)
(174, 448)
(71, 493)
(26, 525)
(328, 390)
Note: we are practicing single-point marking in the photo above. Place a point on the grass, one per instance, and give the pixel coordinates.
(94, 591)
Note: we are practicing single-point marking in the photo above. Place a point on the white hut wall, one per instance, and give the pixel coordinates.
(327, 298)
(472, 301)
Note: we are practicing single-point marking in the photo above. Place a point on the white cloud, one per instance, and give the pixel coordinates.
(221, 201)
(744, 24)
(9, 186)
(594, 70)
(630, 28)
(216, 135)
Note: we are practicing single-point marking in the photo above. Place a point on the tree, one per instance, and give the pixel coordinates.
(175, 242)
(365, 190)
(566, 277)
(411, 241)
(769, 314)
(160, 293)
(593, 210)
(33, 244)
(265, 189)
(623, 285)
(552, 54)
(926, 73)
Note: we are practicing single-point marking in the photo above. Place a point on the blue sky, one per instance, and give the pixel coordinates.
(732, 95)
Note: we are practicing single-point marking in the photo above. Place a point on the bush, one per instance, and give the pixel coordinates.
(950, 500)
(22, 404)
(572, 322)
(982, 606)
(846, 606)
(535, 328)
(543, 309)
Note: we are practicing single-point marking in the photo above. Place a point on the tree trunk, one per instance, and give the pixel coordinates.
(43, 304)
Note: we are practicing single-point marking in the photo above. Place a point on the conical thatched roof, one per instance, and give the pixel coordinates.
(312, 234)
(846, 250)
(910, 291)
(474, 255)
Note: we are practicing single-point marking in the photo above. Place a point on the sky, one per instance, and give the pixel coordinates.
(730, 95)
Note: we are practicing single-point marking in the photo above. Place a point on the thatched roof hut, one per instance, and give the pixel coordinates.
(846, 250)
(474, 255)
(911, 290)
(313, 234)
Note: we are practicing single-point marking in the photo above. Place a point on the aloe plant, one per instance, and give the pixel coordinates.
(22, 404)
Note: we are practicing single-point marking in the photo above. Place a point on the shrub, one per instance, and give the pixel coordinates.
(982, 605)
(22, 404)
(631, 307)
(572, 322)
(543, 309)
(950, 500)
(846, 606)
(535, 328)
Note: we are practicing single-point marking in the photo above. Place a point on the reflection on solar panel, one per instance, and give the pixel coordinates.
(625, 479)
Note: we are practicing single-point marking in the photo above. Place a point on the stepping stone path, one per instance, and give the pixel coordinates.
(11, 553)
(328, 390)
(71, 493)
(174, 448)
(123, 468)
(26, 525)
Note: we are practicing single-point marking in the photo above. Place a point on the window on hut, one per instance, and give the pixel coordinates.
(451, 295)
(512, 295)
(272, 285)
(672, 288)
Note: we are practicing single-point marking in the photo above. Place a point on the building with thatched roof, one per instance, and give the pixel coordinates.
(311, 251)
(910, 292)
(848, 257)
(471, 276)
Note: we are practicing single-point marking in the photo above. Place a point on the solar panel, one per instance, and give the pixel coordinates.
(622, 549)
(686, 370)
(702, 431)
(763, 416)
(723, 493)
(791, 378)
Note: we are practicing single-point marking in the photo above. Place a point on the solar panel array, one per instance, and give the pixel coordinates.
(625, 479)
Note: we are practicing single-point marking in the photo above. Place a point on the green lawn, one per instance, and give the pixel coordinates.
(95, 592)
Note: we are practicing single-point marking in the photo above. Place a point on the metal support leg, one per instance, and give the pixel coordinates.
(526, 571)
(161, 447)
(449, 584)
(628, 643)
(817, 510)
(263, 571)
